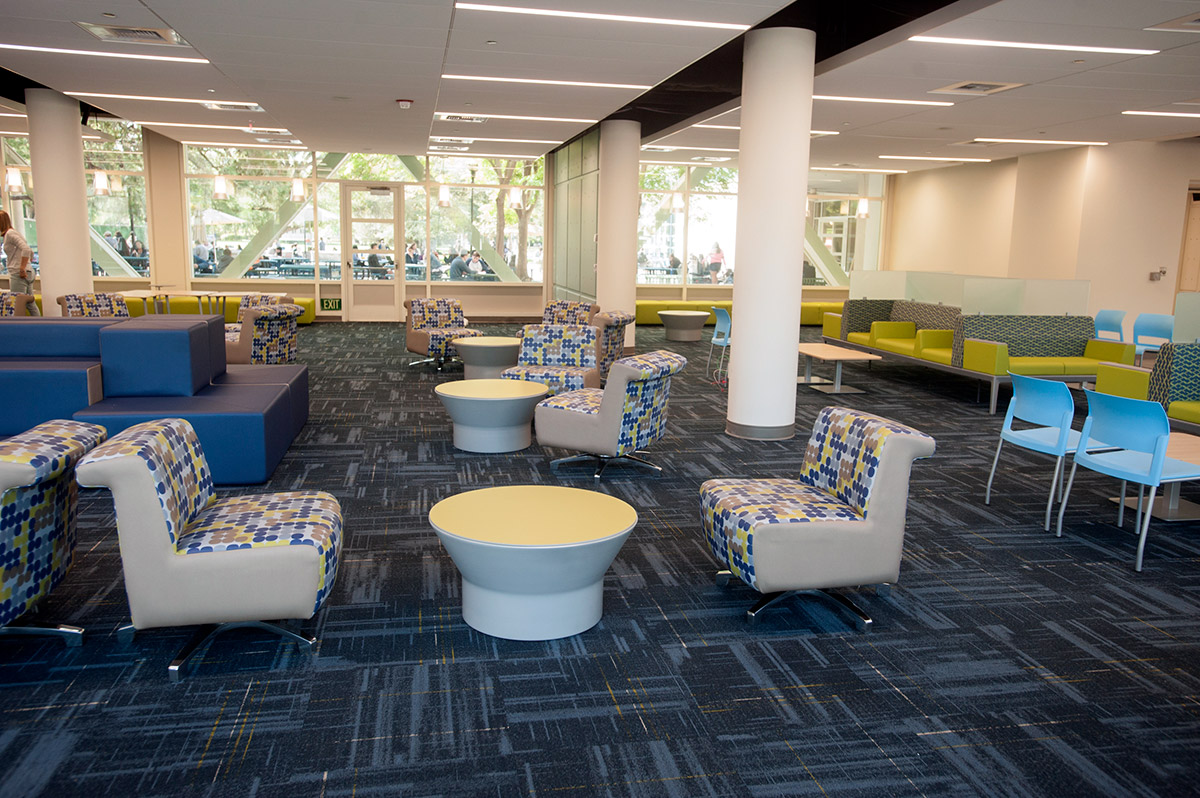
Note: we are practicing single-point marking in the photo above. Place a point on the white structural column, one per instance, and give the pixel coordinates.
(617, 217)
(56, 159)
(777, 87)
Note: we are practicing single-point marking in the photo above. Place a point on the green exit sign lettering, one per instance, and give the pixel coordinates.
(331, 304)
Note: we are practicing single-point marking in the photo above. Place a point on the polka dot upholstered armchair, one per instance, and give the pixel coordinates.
(612, 324)
(191, 558)
(840, 524)
(266, 334)
(612, 423)
(563, 357)
(433, 324)
(93, 305)
(568, 311)
(37, 518)
(15, 304)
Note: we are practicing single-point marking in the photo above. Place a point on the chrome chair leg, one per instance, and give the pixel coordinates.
(767, 600)
(204, 634)
(987, 495)
(603, 461)
(861, 619)
(723, 578)
(1058, 469)
(1145, 527)
(72, 636)
(1062, 508)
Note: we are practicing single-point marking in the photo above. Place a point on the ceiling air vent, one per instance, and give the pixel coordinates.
(974, 144)
(277, 140)
(658, 149)
(447, 148)
(710, 159)
(977, 88)
(450, 140)
(134, 35)
(1188, 24)
(233, 107)
(470, 120)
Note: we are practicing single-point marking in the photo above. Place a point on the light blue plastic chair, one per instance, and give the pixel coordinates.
(1127, 439)
(1152, 325)
(721, 338)
(1111, 321)
(1048, 405)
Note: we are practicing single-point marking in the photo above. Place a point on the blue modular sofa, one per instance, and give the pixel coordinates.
(121, 372)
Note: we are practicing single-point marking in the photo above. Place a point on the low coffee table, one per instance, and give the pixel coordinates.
(486, 356)
(684, 325)
(831, 354)
(532, 557)
(491, 415)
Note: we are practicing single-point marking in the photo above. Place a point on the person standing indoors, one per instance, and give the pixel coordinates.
(20, 260)
(716, 262)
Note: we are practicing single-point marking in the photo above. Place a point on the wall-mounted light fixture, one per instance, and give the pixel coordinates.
(863, 209)
(100, 184)
(514, 197)
(15, 186)
(297, 190)
(220, 188)
(444, 196)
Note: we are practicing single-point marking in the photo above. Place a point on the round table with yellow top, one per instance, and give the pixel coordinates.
(485, 356)
(491, 415)
(532, 557)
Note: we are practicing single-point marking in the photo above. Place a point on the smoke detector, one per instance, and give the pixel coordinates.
(404, 104)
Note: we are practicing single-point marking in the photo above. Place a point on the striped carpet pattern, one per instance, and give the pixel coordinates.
(1006, 661)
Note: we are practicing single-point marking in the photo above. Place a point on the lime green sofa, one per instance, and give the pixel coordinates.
(646, 311)
(1174, 382)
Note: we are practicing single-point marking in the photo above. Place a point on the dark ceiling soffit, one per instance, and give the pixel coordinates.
(13, 86)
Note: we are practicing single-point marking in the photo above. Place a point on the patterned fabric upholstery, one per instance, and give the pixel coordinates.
(559, 355)
(254, 301)
(94, 305)
(644, 416)
(8, 303)
(1026, 336)
(440, 345)
(37, 510)
(581, 400)
(424, 313)
(197, 522)
(1176, 375)
(926, 315)
(567, 311)
(293, 518)
(838, 473)
(612, 326)
(858, 314)
(275, 334)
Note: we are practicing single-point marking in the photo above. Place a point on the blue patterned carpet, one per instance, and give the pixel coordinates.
(1006, 662)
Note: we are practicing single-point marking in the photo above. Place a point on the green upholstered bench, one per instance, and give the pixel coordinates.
(646, 312)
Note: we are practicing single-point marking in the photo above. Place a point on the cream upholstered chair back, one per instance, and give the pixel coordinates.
(93, 305)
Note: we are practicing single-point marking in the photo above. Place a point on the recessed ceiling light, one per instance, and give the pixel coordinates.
(244, 128)
(546, 12)
(1161, 113)
(677, 147)
(521, 141)
(582, 83)
(1044, 141)
(857, 169)
(239, 103)
(445, 114)
(878, 100)
(23, 134)
(109, 15)
(1070, 48)
(490, 155)
(102, 54)
(240, 144)
(933, 158)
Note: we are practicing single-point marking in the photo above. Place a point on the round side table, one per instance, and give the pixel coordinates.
(491, 415)
(532, 557)
(684, 325)
(485, 357)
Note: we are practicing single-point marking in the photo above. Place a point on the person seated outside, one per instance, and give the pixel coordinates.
(478, 265)
(225, 259)
(459, 269)
(199, 254)
(373, 261)
(411, 255)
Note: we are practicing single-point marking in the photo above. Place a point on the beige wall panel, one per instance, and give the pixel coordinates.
(1047, 213)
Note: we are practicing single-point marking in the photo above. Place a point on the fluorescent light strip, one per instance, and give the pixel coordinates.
(1044, 141)
(101, 54)
(1069, 48)
(933, 158)
(850, 169)
(738, 127)
(670, 163)
(582, 83)
(158, 99)
(17, 116)
(444, 114)
(483, 155)
(706, 149)
(505, 141)
(1161, 113)
(246, 128)
(546, 12)
(23, 134)
(239, 145)
(878, 100)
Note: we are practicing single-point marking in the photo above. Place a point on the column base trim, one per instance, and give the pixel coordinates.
(755, 433)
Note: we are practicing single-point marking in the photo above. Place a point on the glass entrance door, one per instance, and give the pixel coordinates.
(370, 233)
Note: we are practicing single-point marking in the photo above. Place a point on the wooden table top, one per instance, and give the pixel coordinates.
(829, 352)
(486, 340)
(1185, 447)
(533, 515)
(491, 389)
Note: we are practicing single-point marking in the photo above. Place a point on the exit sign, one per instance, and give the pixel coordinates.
(331, 304)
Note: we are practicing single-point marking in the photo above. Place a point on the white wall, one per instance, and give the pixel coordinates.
(1135, 209)
(954, 219)
(1047, 212)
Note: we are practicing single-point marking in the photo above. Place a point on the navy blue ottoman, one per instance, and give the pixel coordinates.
(244, 429)
(35, 390)
(295, 377)
(161, 356)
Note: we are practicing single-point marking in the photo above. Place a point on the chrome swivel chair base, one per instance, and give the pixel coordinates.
(439, 362)
(206, 632)
(603, 461)
(861, 619)
(72, 636)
